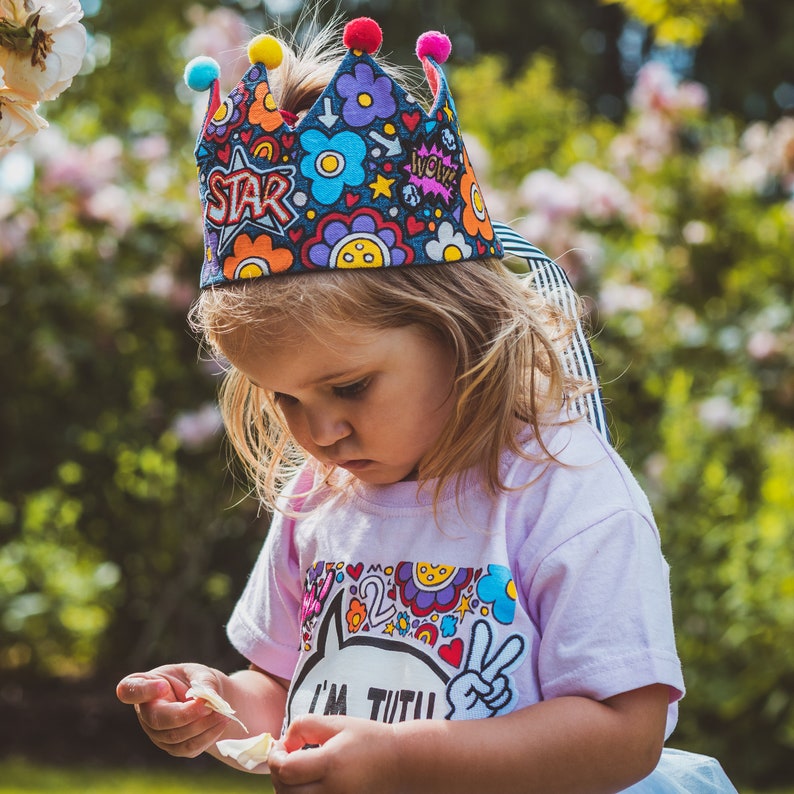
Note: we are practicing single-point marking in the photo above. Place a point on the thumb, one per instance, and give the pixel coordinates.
(136, 689)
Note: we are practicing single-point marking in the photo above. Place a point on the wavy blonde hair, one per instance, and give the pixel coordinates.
(506, 339)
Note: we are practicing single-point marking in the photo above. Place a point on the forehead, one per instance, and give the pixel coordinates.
(302, 358)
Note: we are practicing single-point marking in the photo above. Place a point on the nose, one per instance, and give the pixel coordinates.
(326, 427)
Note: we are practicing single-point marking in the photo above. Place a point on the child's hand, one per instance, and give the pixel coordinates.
(180, 727)
(355, 756)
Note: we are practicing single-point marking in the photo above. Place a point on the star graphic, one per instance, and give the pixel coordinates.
(464, 606)
(448, 111)
(389, 629)
(381, 186)
(241, 166)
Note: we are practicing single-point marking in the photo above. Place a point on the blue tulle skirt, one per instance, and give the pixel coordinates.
(680, 772)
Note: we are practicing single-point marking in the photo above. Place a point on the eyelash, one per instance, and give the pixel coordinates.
(348, 392)
(351, 390)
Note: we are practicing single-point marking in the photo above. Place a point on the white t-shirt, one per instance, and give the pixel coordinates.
(374, 607)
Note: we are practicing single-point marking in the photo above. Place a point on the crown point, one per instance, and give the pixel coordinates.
(434, 45)
(201, 73)
(267, 50)
(363, 34)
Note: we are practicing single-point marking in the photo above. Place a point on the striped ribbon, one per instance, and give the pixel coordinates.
(553, 283)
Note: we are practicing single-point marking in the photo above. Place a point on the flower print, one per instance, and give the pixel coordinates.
(449, 625)
(252, 258)
(475, 216)
(356, 615)
(403, 624)
(425, 587)
(365, 96)
(228, 116)
(448, 245)
(499, 589)
(363, 239)
(263, 110)
(332, 163)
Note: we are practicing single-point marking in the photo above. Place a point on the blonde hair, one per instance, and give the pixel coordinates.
(505, 338)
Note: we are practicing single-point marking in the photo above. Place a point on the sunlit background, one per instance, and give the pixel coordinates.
(647, 145)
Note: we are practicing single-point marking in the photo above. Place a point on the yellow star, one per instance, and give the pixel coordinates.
(389, 628)
(381, 186)
(464, 607)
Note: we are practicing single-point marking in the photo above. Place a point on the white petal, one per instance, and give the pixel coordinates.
(249, 753)
(200, 691)
(18, 121)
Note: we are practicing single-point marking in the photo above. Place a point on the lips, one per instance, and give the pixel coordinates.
(353, 465)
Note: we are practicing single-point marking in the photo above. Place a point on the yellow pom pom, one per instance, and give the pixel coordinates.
(265, 49)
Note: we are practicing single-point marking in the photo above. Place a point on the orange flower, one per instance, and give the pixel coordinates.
(475, 216)
(252, 258)
(356, 615)
(264, 110)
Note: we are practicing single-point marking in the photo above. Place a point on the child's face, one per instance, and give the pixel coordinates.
(371, 402)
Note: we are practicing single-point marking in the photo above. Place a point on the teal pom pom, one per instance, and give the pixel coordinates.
(201, 73)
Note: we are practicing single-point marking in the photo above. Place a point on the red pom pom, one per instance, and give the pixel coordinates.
(434, 45)
(363, 34)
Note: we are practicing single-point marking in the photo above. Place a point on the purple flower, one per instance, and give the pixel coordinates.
(425, 587)
(365, 96)
(363, 240)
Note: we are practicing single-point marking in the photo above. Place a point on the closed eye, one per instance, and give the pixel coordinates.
(352, 390)
(279, 398)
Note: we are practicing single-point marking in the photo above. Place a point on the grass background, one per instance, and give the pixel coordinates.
(22, 777)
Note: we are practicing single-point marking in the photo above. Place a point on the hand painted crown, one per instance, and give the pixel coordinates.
(366, 178)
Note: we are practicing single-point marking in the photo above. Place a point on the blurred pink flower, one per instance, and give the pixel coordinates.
(196, 428)
(45, 68)
(763, 344)
(602, 196)
(548, 194)
(657, 90)
(84, 169)
(221, 34)
(719, 413)
(614, 298)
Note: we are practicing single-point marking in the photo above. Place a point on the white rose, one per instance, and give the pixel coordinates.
(18, 120)
(42, 70)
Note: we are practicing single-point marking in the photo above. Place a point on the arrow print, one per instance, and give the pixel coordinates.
(328, 117)
(393, 145)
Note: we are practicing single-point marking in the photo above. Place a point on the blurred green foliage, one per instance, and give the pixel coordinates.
(123, 538)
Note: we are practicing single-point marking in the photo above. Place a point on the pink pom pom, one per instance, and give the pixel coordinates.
(434, 45)
(363, 34)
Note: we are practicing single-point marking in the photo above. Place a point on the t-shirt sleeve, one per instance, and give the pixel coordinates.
(265, 624)
(602, 603)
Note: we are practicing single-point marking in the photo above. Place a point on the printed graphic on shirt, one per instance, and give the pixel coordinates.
(407, 641)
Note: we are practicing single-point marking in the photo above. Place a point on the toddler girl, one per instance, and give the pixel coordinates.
(462, 588)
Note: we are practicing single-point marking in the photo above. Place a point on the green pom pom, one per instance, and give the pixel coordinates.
(201, 73)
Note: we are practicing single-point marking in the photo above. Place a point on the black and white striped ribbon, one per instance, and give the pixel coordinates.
(554, 284)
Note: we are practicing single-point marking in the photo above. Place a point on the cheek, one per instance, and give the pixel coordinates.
(294, 424)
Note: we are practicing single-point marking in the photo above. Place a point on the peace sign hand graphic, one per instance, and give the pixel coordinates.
(485, 688)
